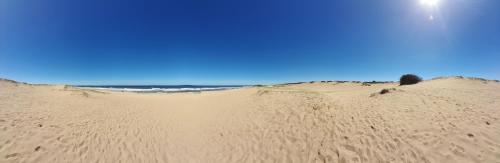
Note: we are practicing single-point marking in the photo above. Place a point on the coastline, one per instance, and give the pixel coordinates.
(160, 88)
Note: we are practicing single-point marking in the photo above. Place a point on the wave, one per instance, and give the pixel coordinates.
(159, 90)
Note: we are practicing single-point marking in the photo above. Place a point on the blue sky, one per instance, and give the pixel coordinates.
(245, 42)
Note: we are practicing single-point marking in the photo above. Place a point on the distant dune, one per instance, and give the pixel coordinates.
(452, 119)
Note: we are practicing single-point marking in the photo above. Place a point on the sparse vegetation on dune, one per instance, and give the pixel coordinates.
(387, 90)
(384, 91)
(12, 81)
(467, 78)
(8, 80)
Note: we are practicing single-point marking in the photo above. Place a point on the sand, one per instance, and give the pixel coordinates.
(442, 120)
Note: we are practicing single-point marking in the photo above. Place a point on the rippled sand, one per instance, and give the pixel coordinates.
(443, 120)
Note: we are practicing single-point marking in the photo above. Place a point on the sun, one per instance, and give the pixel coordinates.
(429, 3)
(431, 6)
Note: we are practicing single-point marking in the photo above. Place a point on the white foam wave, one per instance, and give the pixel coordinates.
(153, 90)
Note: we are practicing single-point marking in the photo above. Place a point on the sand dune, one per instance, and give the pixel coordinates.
(441, 120)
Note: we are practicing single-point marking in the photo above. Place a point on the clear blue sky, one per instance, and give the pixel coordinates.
(245, 42)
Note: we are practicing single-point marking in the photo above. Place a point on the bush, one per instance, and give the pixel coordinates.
(387, 90)
(409, 79)
(384, 91)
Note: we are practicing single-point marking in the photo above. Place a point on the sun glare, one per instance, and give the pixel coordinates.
(429, 3)
(431, 7)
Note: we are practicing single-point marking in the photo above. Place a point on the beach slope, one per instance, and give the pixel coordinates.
(441, 120)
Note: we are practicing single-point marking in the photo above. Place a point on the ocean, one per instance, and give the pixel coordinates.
(160, 88)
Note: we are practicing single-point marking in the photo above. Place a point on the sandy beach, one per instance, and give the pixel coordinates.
(441, 120)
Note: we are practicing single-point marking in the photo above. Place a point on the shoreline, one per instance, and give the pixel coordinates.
(159, 90)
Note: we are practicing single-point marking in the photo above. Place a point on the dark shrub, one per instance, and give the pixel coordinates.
(384, 91)
(387, 90)
(409, 79)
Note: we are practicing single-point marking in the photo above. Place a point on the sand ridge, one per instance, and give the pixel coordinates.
(440, 120)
